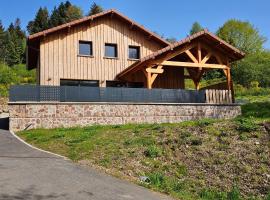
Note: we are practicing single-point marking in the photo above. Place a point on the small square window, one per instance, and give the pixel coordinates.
(134, 52)
(85, 48)
(111, 50)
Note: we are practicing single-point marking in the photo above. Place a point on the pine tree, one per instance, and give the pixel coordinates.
(2, 43)
(64, 13)
(15, 44)
(95, 9)
(40, 23)
(196, 27)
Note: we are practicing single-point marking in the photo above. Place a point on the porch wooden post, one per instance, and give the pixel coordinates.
(230, 82)
(197, 85)
(149, 81)
(229, 78)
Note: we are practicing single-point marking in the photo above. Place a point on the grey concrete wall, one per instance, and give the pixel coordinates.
(52, 115)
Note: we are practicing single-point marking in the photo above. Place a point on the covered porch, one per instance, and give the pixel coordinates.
(189, 58)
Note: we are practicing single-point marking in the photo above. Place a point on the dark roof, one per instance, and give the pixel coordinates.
(232, 52)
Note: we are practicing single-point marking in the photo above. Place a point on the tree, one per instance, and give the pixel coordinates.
(196, 27)
(2, 43)
(15, 44)
(242, 35)
(73, 13)
(64, 13)
(254, 67)
(171, 40)
(40, 23)
(95, 9)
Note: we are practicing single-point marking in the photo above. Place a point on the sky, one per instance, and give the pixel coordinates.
(170, 18)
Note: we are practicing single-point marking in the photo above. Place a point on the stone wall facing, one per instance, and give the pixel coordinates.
(53, 115)
(3, 107)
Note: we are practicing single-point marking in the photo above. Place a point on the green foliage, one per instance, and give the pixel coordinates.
(246, 125)
(17, 74)
(211, 194)
(208, 194)
(40, 23)
(196, 27)
(2, 43)
(153, 151)
(256, 109)
(15, 43)
(213, 74)
(234, 194)
(254, 67)
(254, 84)
(171, 40)
(95, 9)
(64, 13)
(242, 35)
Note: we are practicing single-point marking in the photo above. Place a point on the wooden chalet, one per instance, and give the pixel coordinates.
(110, 50)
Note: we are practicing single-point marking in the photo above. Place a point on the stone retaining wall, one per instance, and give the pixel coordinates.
(52, 115)
(3, 107)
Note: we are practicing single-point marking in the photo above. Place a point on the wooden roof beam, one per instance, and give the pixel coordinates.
(190, 55)
(194, 65)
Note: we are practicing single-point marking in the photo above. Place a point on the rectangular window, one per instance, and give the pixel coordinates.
(111, 50)
(124, 84)
(85, 48)
(88, 83)
(133, 52)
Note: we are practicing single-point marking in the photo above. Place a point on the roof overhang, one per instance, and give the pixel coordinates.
(216, 44)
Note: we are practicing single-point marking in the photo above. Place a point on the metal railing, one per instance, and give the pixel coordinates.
(35, 93)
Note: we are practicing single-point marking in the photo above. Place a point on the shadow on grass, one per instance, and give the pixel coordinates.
(256, 109)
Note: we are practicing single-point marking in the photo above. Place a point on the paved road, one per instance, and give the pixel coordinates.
(26, 173)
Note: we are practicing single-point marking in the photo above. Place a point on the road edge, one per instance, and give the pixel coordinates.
(33, 147)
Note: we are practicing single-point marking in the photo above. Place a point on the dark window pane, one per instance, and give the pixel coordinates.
(111, 50)
(85, 48)
(124, 84)
(89, 83)
(134, 52)
(69, 83)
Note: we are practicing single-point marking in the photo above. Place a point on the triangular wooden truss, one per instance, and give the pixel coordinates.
(196, 67)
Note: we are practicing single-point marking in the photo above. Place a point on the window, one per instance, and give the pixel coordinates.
(89, 83)
(124, 84)
(110, 50)
(133, 52)
(85, 48)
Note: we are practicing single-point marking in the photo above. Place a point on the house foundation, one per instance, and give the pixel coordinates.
(32, 115)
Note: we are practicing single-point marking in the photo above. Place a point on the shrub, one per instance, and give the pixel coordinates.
(205, 122)
(246, 125)
(254, 84)
(234, 194)
(256, 109)
(153, 151)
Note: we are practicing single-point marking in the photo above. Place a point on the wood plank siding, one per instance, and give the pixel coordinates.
(59, 57)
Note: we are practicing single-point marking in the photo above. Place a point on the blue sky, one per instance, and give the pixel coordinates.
(171, 18)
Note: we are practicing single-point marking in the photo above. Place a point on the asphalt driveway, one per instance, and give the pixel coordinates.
(27, 173)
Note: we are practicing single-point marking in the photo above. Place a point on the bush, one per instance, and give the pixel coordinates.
(153, 151)
(7, 75)
(256, 109)
(246, 125)
(254, 84)
(234, 194)
(17, 74)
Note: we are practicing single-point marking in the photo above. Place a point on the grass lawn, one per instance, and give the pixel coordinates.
(206, 159)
